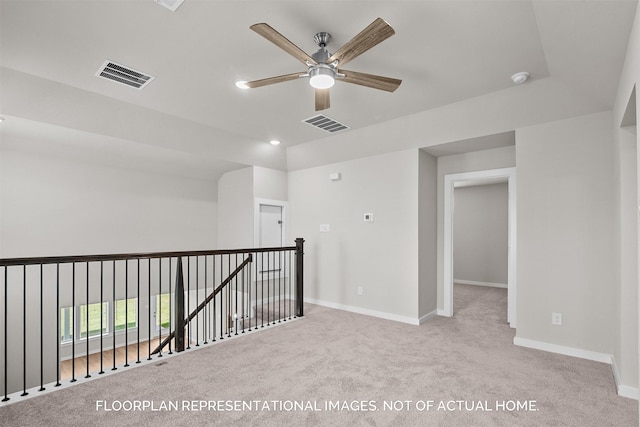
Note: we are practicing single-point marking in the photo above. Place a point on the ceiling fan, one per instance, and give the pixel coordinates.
(324, 68)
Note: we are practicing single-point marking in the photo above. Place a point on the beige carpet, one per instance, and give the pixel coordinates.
(331, 361)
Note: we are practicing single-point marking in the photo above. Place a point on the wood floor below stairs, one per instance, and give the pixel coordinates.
(123, 355)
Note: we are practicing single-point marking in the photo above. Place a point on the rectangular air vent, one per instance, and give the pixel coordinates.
(125, 75)
(325, 123)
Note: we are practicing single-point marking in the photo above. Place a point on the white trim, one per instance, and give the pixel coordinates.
(449, 182)
(256, 218)
(367, 312)
(623, 390)
(427, 317)
(257, 202)
(561, 349)
(475, 283)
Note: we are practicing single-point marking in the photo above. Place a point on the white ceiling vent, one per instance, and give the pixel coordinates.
(125, 75)
(325, 123)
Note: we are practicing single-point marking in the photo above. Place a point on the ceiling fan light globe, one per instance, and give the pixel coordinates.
(322, 81)
(321, 76)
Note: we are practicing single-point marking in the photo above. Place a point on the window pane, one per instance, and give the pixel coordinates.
(162, 310)
(125, 316)
(66, 324)
(94, 326)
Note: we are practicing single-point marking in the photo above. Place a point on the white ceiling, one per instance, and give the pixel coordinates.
(444, 51)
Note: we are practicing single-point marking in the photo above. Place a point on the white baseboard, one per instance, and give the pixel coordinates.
(374, 313)
(427, 316)
(560, 349)
(442, 313)
(475, 283)
(623, 390)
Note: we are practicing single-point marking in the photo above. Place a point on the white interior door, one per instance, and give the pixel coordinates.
(270, 236)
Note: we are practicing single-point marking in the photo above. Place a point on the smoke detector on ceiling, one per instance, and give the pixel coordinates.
(172, 5)
(519, 78)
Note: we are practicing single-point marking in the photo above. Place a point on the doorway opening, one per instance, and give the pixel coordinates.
(479, 177)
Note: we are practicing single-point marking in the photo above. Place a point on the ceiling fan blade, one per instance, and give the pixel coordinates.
(322, 99)
(375, 33)
(266, 31)
(272, 80)
(370, 80)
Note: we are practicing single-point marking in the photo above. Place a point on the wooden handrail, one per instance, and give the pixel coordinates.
(144, 255)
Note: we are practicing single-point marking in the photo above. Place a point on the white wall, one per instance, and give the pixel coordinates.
(379, 256)
(565, 233)
(480, 234)
(51, 206)
(627, 337)
(428, 232)
(235, 209)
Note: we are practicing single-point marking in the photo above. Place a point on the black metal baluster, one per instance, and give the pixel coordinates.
(113, 317)
(159, 308)
(138, 312)
(213, 281)
(229, 300)
(101, 316)
(221, 298)
(170, 310)
(256, 293)
(126, 313)
(24, 330)
(58, 384)
(41, 330)
(73, 326)
(87, 319)
(244, 308)
(149, 311)
(268, 288)
(289, 293)
(279, 286)
(197, 318)
(6, 397)
(205, 320)
(249, 311)
(188, 301)
(262, 291)
(235, 294)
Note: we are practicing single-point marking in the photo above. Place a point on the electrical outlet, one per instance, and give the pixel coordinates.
(556, 319)
(360, 290)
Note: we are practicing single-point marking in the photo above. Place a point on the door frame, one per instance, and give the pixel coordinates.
(450, 181)
(256, 218)
(256, 224)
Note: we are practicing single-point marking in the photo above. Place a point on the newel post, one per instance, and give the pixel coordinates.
(179, 301)
(299, 277)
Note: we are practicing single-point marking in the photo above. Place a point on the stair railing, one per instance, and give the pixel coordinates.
(83, 308)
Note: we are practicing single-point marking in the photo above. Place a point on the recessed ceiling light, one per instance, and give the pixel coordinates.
(242, 84)
(519, 78)
(1, 119)
(274, 142)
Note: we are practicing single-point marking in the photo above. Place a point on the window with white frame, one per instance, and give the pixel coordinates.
(90, 320)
